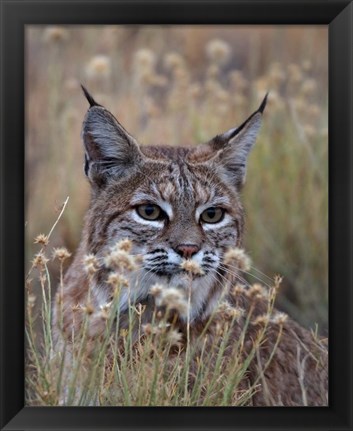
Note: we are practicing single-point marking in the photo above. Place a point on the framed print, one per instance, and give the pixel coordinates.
(176, 201)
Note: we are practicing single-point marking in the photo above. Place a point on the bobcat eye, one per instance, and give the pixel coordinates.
(150, 212)
(212, 215)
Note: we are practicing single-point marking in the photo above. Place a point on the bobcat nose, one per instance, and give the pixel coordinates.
(187, 250)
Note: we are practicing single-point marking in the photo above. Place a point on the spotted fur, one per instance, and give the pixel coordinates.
(183, 182)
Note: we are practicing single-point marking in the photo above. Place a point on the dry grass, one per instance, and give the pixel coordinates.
(181, 86)
(113, 363)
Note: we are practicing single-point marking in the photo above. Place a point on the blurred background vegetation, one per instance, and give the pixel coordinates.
(181, 85)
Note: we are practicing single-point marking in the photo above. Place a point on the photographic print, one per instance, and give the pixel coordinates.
(176, 215)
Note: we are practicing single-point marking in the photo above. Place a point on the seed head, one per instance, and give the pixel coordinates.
(236, 257)
(156, 290)
(76, 307)
(90, 264)
(173, 299)
(40, 260)
(117, 280)
(238, 290)
(174, 337)
(228, 312)
(107, 306)
(99, 66)
(279, 318)
(120, 259)
(277, 281)
(218, 51)
(41, 239)
(256, 291)
(124, 244)
(89, 309)
(150, 329)
(61, 254)
(105, 310)
(191, 267)
(261, 320)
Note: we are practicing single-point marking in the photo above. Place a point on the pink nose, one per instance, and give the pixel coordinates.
(187, 250)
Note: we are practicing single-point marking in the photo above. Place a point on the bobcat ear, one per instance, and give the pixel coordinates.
(109, 149)
(233, 147)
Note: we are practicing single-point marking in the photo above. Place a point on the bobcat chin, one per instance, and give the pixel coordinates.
(176, 205)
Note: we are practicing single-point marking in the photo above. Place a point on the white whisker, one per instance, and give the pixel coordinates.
(237, 276)
(246, 272)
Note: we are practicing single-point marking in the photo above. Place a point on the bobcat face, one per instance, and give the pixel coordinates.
(173, 212)
(172, 203)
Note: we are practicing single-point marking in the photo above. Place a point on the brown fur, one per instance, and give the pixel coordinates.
(184, 178)
(299, 354)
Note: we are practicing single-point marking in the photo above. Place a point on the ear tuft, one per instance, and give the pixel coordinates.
(90, 99)
(263, 104)
(232, 148)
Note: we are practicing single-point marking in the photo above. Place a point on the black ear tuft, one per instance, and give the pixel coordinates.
(232, 148)
(263, 104)
(90, 99)
(233, 132)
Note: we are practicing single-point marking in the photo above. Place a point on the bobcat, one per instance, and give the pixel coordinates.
(176, 204)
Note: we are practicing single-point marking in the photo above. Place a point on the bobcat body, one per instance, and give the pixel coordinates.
(177, 203)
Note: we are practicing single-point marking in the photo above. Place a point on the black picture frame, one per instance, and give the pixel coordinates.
(338, 15)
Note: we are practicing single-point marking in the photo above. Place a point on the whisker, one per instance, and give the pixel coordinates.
(225, 279)
(236, 275)
(248, 273)
(261, 273)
